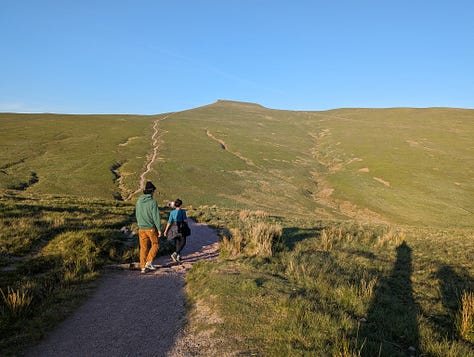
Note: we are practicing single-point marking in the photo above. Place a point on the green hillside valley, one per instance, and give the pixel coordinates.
(346, 232)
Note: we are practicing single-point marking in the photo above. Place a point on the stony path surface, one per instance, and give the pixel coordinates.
(133, 314)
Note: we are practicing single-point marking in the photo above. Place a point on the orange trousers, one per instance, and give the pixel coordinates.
(147, 254)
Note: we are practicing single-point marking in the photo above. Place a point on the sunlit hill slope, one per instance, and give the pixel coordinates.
(400, 165)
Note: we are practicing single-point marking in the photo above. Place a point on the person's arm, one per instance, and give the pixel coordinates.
(170, 219)
(156, 218)
(166, 229)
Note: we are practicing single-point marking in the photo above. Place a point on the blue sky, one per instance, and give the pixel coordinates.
(154, 56)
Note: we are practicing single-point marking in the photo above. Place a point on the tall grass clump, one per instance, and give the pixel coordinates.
(254, 236)
(348, 348)
(16, 303)
(77, 252)
(263, 238)
(465, 318)
(375, 236)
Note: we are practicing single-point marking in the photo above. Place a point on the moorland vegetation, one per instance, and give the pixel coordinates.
(347, 232)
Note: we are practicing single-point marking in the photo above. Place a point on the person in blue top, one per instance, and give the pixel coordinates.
(171, 230)
(149, 229)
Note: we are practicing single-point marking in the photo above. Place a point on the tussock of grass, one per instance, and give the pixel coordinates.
(465, 318)
(253, 237)
(16, 303)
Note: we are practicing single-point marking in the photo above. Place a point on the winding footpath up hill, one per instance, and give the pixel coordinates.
(133, 314)
(152, 157)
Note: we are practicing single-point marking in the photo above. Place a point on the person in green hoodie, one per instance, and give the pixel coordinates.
(149, 227)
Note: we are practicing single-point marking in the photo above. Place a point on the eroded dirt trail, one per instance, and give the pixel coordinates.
(133, 314)
(152, 157)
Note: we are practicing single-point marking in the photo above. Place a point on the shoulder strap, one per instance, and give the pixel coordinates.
(179, 216)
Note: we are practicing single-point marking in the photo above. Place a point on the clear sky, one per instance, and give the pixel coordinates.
(158, 56)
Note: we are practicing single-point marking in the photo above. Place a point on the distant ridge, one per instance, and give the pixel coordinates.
(243, 104)
(234, 103)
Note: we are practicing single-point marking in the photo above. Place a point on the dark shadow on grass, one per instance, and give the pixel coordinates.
(454, 281)
(293, 235)
(392, 326)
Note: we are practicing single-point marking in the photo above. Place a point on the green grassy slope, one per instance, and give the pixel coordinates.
(72, 154)
(409, 166)
(238, 155)
(401, 165)
(312, 172)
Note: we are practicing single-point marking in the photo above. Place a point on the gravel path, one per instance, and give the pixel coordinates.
(133, 314)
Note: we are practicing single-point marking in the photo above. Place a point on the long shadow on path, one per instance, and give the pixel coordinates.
(132, 314)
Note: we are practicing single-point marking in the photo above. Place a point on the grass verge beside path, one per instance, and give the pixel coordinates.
(52, 249)
(340, 289)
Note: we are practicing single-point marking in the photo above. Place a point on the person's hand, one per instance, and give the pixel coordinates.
(165, 233)
(159, 234)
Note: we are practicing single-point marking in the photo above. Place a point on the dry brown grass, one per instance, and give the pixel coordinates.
(391, 237)
(263, 237)
(366, 288)
(254, 237)
(17, 302)
(465, 321)
(245, 215)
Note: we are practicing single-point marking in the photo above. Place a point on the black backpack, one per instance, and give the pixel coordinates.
(183, 227)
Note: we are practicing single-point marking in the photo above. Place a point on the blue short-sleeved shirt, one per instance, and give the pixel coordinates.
(177, 215)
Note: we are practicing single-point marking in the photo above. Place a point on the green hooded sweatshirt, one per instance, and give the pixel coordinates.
(147, 212)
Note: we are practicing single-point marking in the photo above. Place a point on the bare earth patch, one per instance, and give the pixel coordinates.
(382, 181)
(325, 193)
(128, 141)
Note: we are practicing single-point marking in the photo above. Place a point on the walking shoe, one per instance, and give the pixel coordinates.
(150, 266)
(178, 258)
(143, 270)
(174, 256)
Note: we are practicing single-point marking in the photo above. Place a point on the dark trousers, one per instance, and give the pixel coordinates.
(180, 242)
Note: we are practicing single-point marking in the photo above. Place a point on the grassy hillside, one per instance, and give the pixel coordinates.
(239, 155)
(72, 154)
(408, 166)
(356, 214)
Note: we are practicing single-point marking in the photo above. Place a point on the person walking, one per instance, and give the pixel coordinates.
(173, 229)
(149, 227)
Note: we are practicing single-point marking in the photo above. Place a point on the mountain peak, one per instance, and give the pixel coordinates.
(236, 103)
